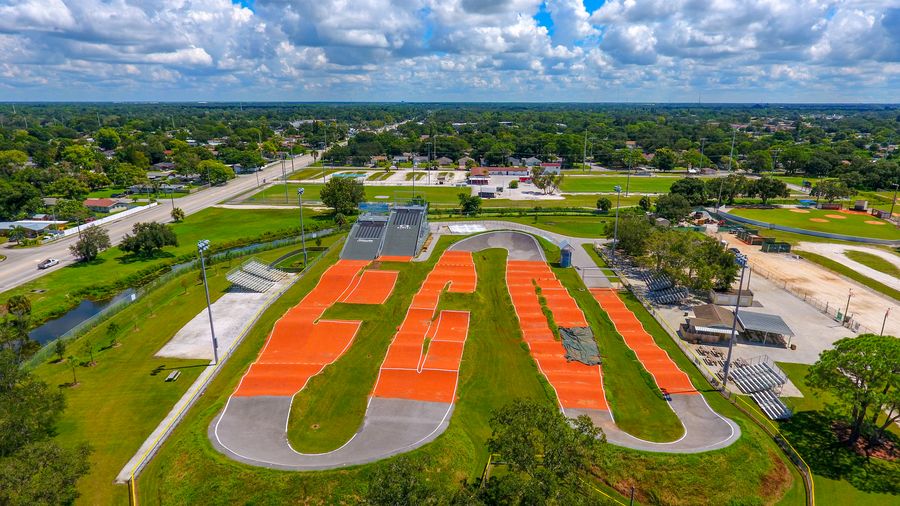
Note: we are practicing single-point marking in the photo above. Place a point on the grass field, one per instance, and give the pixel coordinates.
(610, 274)
(379, 176)
(312, 173)
(495, 369)
(850, 273)
(873, 261)
(120, 400)
(841, 477)
(605, 184)
(216, 224)
(414, 176)
(847, 224)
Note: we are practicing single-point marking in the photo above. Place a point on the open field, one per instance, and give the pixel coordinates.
(188, 470)
(824, 221)
(216, 224)
(314, 171)
(605, 184)
(841, 476)
(850, 273)
(120, 400)
(587, 226)
(874, 261)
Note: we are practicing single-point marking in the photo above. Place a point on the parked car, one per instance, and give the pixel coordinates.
(48, 263)
(117, 195)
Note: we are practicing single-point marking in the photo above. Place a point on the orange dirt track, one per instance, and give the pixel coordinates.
(577, 385)
(301, 345)
(374, 287)
(408, 371)
(668, 376)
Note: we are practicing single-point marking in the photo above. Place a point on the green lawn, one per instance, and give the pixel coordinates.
(850, 273)
(606, 184)
(610, 274)
(380, 175)
(495, 369)
(436, 195)
(849, 224)
(312, 173)
(414, 176)
(873, 261)
(216, 224)
(841, 476)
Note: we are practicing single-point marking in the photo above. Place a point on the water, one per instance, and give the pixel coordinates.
(84, 311)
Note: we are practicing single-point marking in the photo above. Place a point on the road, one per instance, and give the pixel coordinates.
(20, 265)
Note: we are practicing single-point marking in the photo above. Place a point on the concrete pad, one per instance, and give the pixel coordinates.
(521, 246)
(253, 430)
(230, 313)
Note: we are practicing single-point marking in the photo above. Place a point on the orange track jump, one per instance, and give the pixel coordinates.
(668, 376)
(577, 385)
(301, 345)
(374, 287)
(408, 371)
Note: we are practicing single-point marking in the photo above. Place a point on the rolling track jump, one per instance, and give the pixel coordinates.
(578, 386)
(412, 400)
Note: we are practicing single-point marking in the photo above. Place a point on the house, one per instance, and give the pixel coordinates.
(479, 171)
(33, 228)
(444, 161)
(551, 167)
(500, 171)
(531, 161)
(375, 160)
(463, 161)
(630, 144)
(154, 175)
(400, 158)
(163, 166)
(420, 159)
(104, 205)
(514, 161)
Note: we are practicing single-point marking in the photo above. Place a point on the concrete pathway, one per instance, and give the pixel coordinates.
(837, 252)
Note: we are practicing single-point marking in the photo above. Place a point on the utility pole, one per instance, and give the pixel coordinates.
(584, 152)
(883, 322)
(847, 308)
(201, 247)
(324, 170)
(302, 233)
(618, 190)
(895, 185)
(702, 142)
(742, 261)
(284, 179)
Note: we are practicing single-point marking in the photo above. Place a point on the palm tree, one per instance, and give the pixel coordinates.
(18, 233)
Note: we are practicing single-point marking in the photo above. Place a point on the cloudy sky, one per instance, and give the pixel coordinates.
(451, 50)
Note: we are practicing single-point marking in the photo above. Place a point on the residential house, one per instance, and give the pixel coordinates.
(444, 161)
(551, 167)
(463, 161)
(104, 205)
(420, 159)
(531, 161)
(515, 162)
(501, 171)
(400, 158)
(33, 228)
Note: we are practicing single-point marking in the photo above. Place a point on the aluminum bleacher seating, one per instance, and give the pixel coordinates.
(257, 268)
(249, 281)
(771, 405)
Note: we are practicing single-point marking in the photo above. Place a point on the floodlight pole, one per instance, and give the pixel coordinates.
(895, 185)
(618, 190)
(883, 322)
(302, 233)
(284, 179)
(628, 176)
(742, 261)
(201, 247)
(847, 308)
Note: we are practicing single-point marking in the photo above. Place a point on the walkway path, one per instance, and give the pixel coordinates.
(579, 387)
(837, 252)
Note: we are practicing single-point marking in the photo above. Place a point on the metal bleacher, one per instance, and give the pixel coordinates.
(255, 276)
(771, 405)
(663, 290)
(762, 380)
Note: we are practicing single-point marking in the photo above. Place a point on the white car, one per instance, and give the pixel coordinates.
(48, 263)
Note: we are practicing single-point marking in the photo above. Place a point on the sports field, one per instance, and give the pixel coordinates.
(838, 222)
(436, 195)
(606, 184)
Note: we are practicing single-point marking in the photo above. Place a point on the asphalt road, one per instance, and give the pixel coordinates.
(20, 265)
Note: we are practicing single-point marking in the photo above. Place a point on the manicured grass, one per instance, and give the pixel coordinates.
(414, 175)
(380, 175)
(312, 173)
(851, 224)
(606, 184)
(850, 273)
(873, 261)
(841, 476)
(637, 404)
(441, 196)
(216, 224)
(120, 400)
(600, 263)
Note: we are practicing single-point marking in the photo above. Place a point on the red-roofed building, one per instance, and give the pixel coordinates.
(551, 167)
(104, 205)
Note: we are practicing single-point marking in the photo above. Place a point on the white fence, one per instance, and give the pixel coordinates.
(101, 221)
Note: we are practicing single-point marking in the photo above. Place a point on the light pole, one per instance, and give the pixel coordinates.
(895, 185)
(618, 190)
(324, 150)
(628, 176)
(883, 322)
(847, 308)
(284, 179)
(201, 247)
(302, 234)
(742, 261)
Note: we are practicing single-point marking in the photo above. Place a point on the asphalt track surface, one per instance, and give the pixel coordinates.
(412, 401)
(579, 387)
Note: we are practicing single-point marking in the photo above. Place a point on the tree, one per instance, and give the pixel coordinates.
(513, 184)
(177, 214)
(548, 183)
(546, 455)
(767, 188)
(664, 159)
(470, 205)
(14, 328)
(400, 482)
(673, 207)
(12, 160)
(604, 204)
(33, 468)
(725, 189)
(93, 240)
(831, 190)
(107, 138)
(17, 233)
(80, 157)
(343, 194)
(214, 172)
(18, 199)
(59, 348)
(862, 374)
(759, 161)
(147, 238)
(88, 347)
(692, 188)
(69, 188)
(645, 203)
(112, 332)
(72, 210)
(633, 233)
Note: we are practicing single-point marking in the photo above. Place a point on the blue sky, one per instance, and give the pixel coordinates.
(451, 50)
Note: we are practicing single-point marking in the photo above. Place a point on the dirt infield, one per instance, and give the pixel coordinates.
(373, 287)
(299, 346)
(668, 376)
(577, 385)
(802, 211)
(422, 362)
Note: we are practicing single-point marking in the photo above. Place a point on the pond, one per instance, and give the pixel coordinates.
(84, 311)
